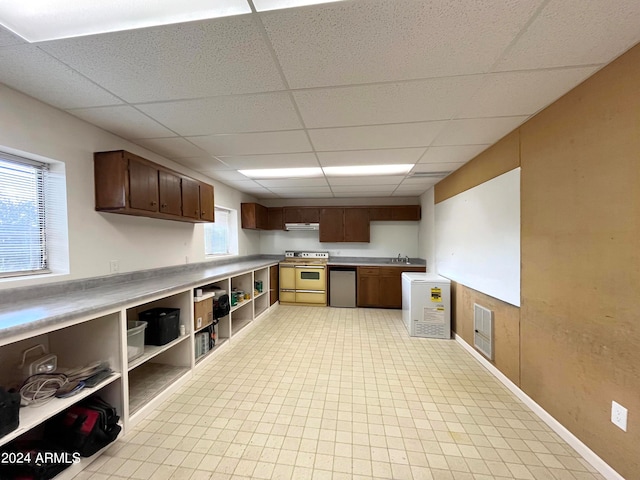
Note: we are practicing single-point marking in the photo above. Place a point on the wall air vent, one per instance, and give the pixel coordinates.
(483, 330)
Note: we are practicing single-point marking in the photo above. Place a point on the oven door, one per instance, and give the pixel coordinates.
(311, 277)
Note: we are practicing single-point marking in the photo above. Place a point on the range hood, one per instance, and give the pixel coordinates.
(301, 226)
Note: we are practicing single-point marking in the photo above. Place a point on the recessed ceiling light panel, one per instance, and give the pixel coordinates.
(282, 172)
(40, 20)
(266, 5)
(367, 170)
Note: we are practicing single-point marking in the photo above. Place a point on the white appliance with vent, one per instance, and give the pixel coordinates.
(426, 305)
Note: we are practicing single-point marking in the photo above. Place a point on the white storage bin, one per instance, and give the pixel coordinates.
(135, 339)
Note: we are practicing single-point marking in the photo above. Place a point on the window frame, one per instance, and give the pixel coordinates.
(232, 232)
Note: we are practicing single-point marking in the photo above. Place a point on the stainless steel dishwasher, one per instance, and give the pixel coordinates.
(342, 290)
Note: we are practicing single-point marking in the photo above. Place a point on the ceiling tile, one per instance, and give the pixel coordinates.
(432, 99)
(372, 190)
(370, 157)
(174, 147)
(30, 70)
(123, 120)
(231, 114)
(522, 93)
(254, 143)
(8, 38)
(575, 32)
(299, 191)
(477, 131)
(306, 195)
(189, 60)
(202, 163)
(242, 185)
(410, 190)
(363, 194)
(230, 175)
(374, 137)
(280, 160)
(374, 41)
(452, 154)
(436, 167)
(293, 182)
(419, 181)
(376, 180)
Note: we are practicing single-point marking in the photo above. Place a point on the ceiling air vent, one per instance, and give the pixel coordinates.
(428, 174)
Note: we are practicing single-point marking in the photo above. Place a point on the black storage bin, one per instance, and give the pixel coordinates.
(163, 325)
(9, 411)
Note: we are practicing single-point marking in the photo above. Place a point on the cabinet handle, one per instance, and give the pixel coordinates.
(153, 203)
(164, 205)
(196, 212)
(203, 212)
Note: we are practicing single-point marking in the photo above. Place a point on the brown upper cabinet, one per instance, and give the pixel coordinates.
(395, 212)
(190, 198)
(254, 216)
(337, 224)
(275, 218)
(344, 225)
(301, 214)
(128, 184)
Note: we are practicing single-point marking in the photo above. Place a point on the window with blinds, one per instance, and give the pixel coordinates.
(23, 247)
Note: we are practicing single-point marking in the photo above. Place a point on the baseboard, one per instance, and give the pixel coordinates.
(586, 453)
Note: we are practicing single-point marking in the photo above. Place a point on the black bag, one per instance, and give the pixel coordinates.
(221, 307)
(9, 411)
(84, 428)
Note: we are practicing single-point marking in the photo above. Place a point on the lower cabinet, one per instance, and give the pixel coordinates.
(381, 287)
(148, 364)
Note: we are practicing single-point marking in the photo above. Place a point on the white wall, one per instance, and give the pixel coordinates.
(427, 237)
(34, 128)
(387, 240)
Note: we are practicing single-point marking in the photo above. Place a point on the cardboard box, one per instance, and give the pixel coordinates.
(202, 314)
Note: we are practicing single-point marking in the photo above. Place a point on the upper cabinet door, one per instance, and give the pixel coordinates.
(356, 225)
(332, 225)
(170, 193)
(301, 215)
(143, 186)
(206, 202)
(190, 199)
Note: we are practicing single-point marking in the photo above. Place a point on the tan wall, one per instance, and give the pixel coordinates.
(506, 342)
(579, 322)
(493, 162)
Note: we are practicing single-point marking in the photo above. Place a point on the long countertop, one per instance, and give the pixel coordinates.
(31, 309)
(374, 262)
(57, 306)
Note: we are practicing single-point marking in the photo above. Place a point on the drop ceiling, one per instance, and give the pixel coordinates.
(364, 82)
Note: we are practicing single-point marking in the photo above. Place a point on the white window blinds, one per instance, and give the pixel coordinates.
(22, 216)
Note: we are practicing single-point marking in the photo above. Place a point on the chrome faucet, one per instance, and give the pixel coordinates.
(406, 259)
(399, 259)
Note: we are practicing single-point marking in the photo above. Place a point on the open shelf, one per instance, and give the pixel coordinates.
(239, 324)
(260, 295)
(33, 416)
(149, 380)
(241, 304)
(261, 304)
(151, 351)
(219, 344)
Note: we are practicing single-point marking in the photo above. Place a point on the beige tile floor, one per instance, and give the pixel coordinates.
(325, 393)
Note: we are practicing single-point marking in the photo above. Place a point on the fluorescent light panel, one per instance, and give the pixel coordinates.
(282, 172)
(40, 20)
(266, 5)
(366, 170)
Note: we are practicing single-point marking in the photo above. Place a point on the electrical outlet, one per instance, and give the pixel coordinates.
(114, 266)
(619, 416)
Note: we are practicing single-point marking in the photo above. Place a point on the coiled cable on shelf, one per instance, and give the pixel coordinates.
(40, 388)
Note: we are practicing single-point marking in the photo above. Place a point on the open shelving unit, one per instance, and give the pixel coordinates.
(136, 386)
